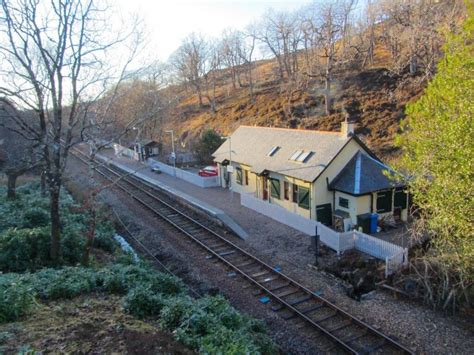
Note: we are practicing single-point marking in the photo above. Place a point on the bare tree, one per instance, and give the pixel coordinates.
(412, 30)
(326, 20)
(190, 62)
(229, 48)
(245, 49)
(55, 58)
(281, 36)
(18, 153)
(211, 66)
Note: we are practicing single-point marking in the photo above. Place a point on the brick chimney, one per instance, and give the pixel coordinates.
(347, 127)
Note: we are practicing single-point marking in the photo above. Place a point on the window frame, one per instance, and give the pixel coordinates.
(286, 190)
(397, 202)
(238, 175)
(274, 182)
(384, 209)
(295, 193)
(342, 205)
(302, 195)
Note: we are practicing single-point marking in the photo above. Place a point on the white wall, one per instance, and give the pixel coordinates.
(195, 179)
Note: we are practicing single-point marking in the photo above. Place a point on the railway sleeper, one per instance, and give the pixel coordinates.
(301, 300)
(258, 274)
(252, 262)
(279, 287)
(288, 293)
(268, 279)
(341, 326)
(312, 308)
(374, 348)
(225, 253)
(218, 245)
(326, 317)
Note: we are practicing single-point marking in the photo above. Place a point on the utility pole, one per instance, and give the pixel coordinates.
(173, 154)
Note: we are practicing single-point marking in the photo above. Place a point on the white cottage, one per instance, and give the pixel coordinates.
(331, 177)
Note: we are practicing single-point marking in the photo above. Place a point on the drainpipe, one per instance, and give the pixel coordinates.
(310, 201)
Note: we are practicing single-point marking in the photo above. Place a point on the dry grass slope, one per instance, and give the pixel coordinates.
(374, 97)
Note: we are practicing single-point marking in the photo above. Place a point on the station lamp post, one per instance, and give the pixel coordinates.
(173, 154)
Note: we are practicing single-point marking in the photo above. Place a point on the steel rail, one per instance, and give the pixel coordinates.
(325, 303)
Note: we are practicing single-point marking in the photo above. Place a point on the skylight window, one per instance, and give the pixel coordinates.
(296, 155)
(304, 157)
(273, 151)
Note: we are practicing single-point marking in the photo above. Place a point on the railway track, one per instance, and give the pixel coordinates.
(285, 295)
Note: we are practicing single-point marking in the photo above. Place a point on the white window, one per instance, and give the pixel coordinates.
(296, 155)
(273, 151)
(304, 157)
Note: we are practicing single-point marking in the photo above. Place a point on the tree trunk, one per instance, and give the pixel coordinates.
(55, 221)
(90, 234)
(327, 96)
(11, 189)
(43, 183)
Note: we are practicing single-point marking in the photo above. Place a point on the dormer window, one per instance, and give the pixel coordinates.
(273, 151)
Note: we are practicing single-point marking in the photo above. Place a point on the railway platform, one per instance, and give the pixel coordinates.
(179, 189)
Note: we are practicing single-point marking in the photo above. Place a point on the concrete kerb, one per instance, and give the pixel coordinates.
(196, 205)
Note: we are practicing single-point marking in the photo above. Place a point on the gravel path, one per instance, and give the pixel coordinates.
(422, 329)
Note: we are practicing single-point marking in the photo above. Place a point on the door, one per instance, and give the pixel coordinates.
(265, 187)
(324, 214)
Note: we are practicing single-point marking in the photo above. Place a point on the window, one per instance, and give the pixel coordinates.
(238, 176)
(246, 172)
(273, 151)
(384, 202)
(303, 197)
(296, 155)
(295, 193)
(286, 190)
(400, 199)
(343, 202)
(275, 188)
(304, 157)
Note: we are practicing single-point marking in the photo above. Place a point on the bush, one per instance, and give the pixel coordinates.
(174, 311)
(16, 299)
(23, 249)
(226, 341)
(104, 237)
(121, 278)
(28, 249)
(66, 283)
(142, 302)
(212, 325)
(35, 217)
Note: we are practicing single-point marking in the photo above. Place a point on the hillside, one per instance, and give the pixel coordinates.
(374, 98)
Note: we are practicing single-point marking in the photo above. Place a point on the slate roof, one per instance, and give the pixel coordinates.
(363, 174)
(251, 145)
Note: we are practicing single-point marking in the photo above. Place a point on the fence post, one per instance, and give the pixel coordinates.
(316, 245)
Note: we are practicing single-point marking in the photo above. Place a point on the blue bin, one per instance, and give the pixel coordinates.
(373, 222)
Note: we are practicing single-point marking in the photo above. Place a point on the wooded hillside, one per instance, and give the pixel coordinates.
(328, 60)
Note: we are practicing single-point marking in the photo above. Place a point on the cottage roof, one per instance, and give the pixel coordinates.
(363, 174)
(253, 146)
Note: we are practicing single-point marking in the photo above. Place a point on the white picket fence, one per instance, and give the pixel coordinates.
(394, 255)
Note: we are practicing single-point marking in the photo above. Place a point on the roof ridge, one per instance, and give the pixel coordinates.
(294, 129)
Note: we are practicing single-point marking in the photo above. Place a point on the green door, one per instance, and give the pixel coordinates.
(324, 214)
